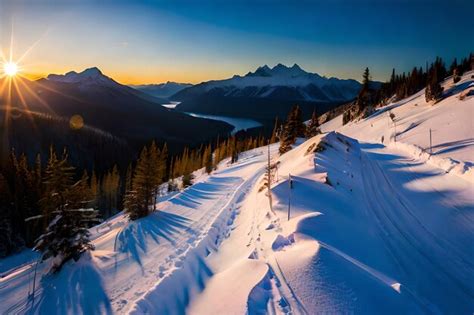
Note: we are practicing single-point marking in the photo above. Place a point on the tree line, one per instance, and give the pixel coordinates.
(148, 177)
(406, 84)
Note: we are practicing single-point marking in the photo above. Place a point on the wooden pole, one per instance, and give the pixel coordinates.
(269, 179)
(290, 186)
(431, 144)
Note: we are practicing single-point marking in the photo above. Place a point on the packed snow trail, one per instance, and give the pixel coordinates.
(427, 230)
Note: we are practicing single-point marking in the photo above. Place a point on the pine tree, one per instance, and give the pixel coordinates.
(94, 190)
(294, 127)
(274, 136)
(132, 206)
(143, 183)
(207, 159)
(66, 236)
(162, 162)
(187, 169)
(313, 126)
(58, 178)
(433, 90)
(128, 178)
(392, 83)
(7, 237)
(156, 170)
(114, 186)
(366, 78)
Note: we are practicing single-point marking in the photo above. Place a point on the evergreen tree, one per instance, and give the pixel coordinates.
(274, 136)
(132, 206)
(155, 170)
(433, 90)
(143, 184)
(66, 236)
(207, 159)
(187, 169)
(313, 126)
(94, 190)
(58, 178)
(128, 178)
(293, 128)
(8, 241)
(366, 78)
(162, 162)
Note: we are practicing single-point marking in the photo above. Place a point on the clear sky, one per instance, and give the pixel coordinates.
(193, 41)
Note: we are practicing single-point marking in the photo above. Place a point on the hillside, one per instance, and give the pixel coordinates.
(374, 227)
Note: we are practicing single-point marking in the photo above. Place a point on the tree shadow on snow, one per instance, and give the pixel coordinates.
(194, 196)
(157, 227)
(77, 289)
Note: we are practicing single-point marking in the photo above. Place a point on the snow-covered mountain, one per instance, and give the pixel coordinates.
(89, 76)
(279, 82)
(267, 93)
(163, 90)
(93, 80)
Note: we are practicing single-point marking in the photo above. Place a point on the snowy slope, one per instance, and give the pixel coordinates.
(395, 227)
(451, 122)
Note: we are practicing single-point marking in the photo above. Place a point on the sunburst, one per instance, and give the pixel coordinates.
(10, 69)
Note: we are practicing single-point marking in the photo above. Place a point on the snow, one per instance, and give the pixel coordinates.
(373, 228)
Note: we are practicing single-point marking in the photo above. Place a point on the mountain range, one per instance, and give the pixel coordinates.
(162, 90)
(267, 92)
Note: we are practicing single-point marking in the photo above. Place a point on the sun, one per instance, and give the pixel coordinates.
(10, 69)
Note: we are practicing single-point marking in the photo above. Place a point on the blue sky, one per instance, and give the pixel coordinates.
(193, 41)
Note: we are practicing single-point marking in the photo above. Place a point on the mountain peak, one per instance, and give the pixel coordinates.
(296, 66)
(282, 70)
(89, 74)
(94, 71)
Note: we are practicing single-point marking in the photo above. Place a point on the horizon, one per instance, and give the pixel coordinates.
(156, 42)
